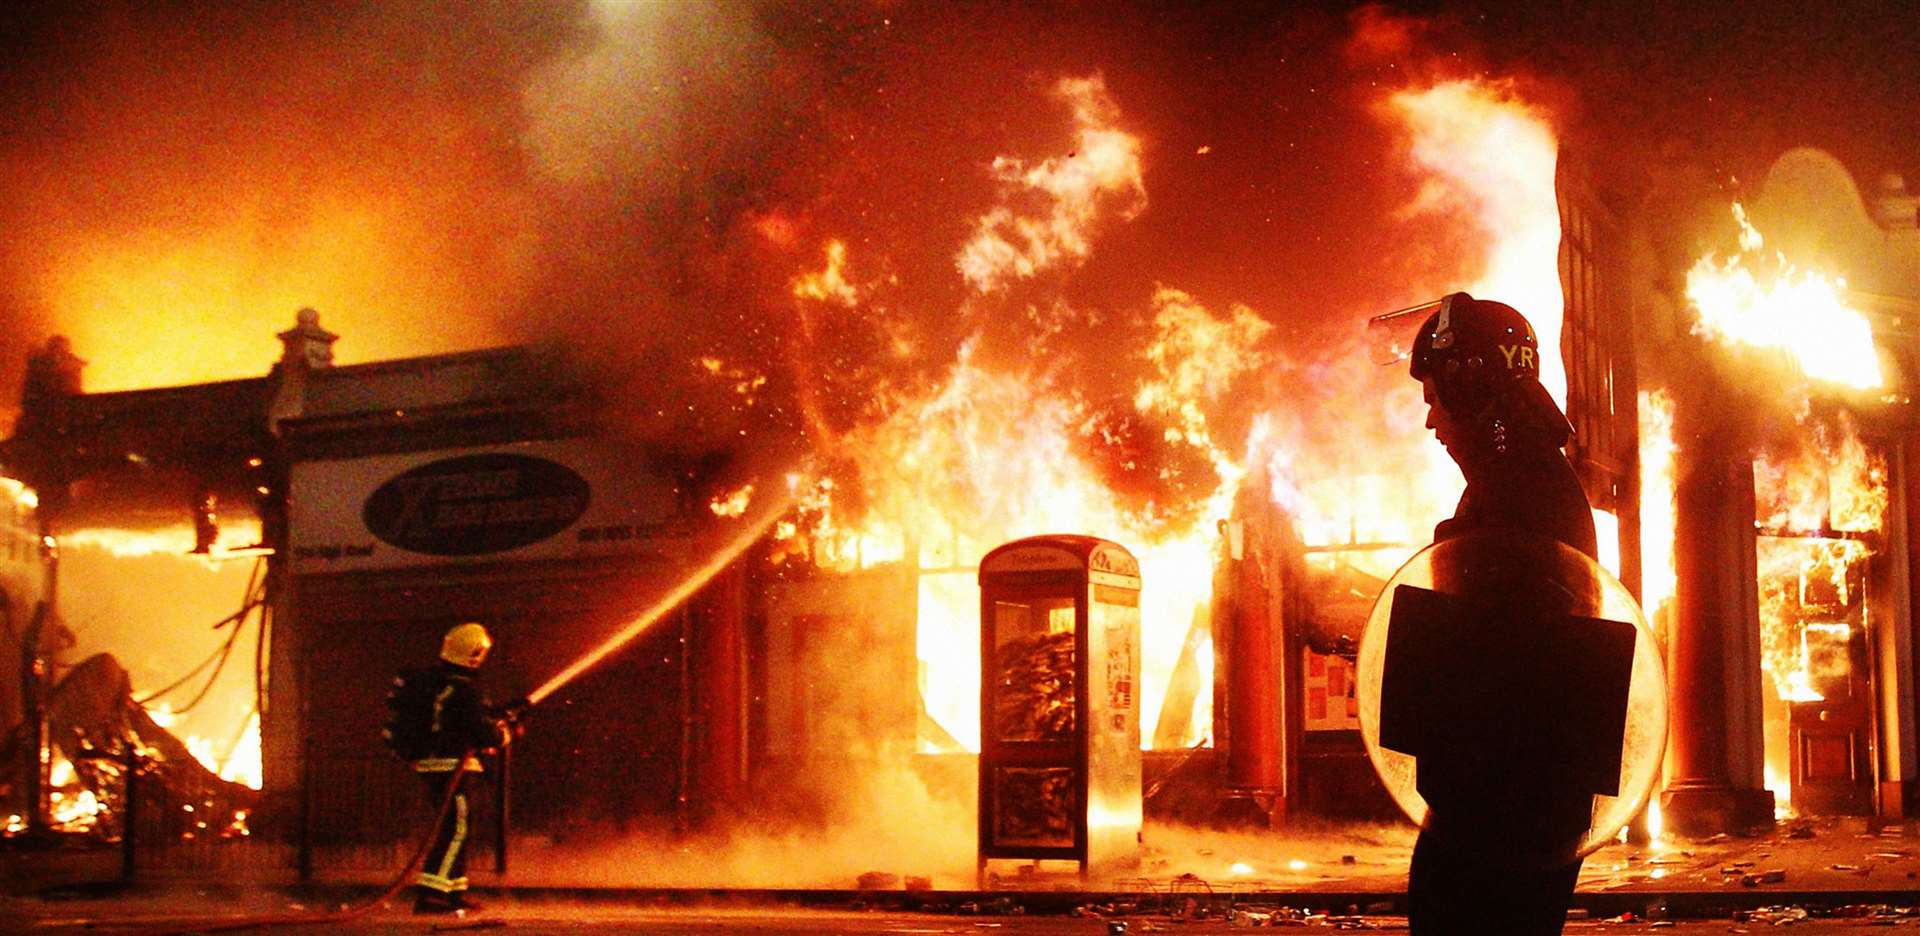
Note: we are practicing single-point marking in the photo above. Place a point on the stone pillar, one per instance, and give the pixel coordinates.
(1893, 637)
(1713, 658)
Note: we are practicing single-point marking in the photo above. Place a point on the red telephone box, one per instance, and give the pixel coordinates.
(1059, 702)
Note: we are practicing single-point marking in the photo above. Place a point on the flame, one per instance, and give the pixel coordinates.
(240, 764)
(1485, 154)
(237, 538)
(1749, 299)
(61, 772)
(829, 284)
(70, 809)
(1825, 487)
(990, 457)
(163, 714)
(1802, 581)
(1196, 356)
(990, 453)
(1782, 793)
(734, 504)
(745, 382)
(74, 812)
(1658, 580)
(1829, 481)
(1072, 191)
(22, 495)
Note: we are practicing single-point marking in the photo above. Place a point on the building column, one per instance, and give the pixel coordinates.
(1713, 658)
(1893, 637)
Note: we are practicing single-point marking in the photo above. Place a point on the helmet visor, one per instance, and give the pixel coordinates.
(1390, 336)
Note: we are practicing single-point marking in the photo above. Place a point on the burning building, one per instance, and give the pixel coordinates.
(1779, 437)
(1002, 361)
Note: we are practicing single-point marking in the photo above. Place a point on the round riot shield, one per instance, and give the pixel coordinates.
(1506, 662)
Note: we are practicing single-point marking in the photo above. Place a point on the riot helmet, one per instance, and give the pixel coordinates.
(1475, 348)
(466, 645)
(1484, 361)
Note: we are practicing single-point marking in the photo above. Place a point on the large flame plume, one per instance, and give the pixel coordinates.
(993, 452)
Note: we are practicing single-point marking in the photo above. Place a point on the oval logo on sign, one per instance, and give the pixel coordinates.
(476, 504)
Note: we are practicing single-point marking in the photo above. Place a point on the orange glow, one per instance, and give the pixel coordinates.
(216, 300)
(1766, 302)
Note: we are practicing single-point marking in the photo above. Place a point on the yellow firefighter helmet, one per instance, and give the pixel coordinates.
(466, 645)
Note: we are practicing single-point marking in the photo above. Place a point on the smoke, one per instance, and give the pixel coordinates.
(884, 817)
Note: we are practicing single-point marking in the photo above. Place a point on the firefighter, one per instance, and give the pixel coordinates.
(1497, 855)
(441, 723)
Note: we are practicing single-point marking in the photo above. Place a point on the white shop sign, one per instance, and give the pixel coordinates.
(532, 500)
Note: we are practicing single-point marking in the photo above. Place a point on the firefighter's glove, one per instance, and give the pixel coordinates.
(508, 719)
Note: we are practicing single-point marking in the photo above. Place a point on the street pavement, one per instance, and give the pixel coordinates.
(1797, 874)
(560, 918)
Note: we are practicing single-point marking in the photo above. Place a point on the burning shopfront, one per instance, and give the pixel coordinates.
(1777, 420)
(830, 643)
(377, 502)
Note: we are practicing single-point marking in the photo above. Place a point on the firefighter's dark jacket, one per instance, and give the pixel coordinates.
(460, 721)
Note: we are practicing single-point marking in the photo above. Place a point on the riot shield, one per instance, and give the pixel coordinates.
(1512, 662)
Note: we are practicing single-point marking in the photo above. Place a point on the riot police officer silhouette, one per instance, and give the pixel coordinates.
(1497, 854)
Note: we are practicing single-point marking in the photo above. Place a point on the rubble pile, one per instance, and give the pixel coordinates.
(96, 733)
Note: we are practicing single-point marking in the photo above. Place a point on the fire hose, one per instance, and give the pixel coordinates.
(674, 597)
(718, 561)
(344, 914)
